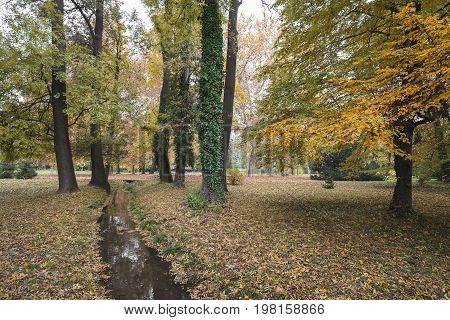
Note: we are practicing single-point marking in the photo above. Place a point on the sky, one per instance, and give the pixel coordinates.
(248, 7)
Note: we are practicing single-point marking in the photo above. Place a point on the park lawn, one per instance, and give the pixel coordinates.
(290, 238)
(48, 241)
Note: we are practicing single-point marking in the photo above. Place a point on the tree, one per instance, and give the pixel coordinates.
(256, 40)
(377, 106)
(115, 33)
(210, 127)
(176, 24)
(230, 80)
(98, 176)
(161, 140)
(63, 152)
(34, 110)
(408, 88)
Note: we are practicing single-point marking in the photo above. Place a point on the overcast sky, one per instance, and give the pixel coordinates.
(249, 7)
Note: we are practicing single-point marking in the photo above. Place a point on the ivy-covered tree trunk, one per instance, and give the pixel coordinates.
(401, 204)
(210, 114)
(161, 141)
(230, 81)
(61, 142)
(98, 177)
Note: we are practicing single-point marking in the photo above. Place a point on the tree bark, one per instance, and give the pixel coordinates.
(402, 201)
(98, 177)
(165, 174)
(154, 166)
(251, 160)
(63, 152)
(183, 141)
(230, 81)
(401, 204)
(442, 151)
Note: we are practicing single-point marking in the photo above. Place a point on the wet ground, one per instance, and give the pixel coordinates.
(136, 272)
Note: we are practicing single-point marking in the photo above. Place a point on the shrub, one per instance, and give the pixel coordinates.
(235, 176)
(196, 200)
(328, 184)
(370, 173)
(330, 165)
(25, 170)
(7, 170)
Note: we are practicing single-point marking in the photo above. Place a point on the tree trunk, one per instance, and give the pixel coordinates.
(61, 141)
(230, 81)
(154, 166)
(251, 160)
(165, 174)
(182, 131)
(98, 177)
(442, 151)
(210, 122)
(118, 168)
(107, 169)
(401, 204)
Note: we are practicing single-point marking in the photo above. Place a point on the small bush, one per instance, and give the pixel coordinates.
(235, 176)
(196, 200)
(7, 170)
(328, 184)
(25, 170)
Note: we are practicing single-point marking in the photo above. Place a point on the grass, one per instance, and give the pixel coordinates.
(48, 242)
(286, 237)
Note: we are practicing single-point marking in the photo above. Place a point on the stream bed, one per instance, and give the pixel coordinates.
(136, 272)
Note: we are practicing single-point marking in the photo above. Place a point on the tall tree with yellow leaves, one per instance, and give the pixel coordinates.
(408, 88)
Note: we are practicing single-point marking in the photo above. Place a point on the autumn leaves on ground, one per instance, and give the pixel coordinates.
(274, 237)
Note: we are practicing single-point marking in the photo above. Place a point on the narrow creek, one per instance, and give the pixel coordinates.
(136, 272)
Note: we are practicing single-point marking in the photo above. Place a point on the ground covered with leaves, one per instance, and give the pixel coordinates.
(49, 241)
(290, 238)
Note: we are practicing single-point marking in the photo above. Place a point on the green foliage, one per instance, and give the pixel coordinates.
(235, 176)
(25, 170)
(171, 249)
(196, 200)
(160, 237)
(328, 184)
(150, 225)
(210, 124)
(7, 170)
(330, 166)
(26, 60)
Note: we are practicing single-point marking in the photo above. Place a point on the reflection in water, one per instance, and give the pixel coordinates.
(136, 271)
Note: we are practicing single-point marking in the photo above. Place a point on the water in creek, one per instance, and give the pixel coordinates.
(136, 272)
